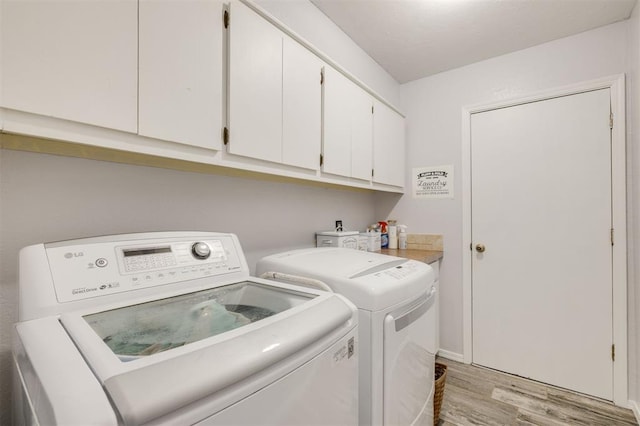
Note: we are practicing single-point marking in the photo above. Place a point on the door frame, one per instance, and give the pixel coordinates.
(616, 84)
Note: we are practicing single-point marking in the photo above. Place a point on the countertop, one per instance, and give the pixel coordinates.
(426, 256)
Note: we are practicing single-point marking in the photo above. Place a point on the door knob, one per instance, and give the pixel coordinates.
(480, 248)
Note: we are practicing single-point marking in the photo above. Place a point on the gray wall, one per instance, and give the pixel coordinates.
(49, 198)
(633, 204)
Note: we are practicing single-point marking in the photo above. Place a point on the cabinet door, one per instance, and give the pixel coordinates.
(302, 106)
(388, 146)
(75, 60)
(255, 85)
(180, 72)
(348, 127)
(338, 92)
(361, 134)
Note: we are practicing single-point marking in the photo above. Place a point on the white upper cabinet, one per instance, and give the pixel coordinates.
(347, 140)
(274, 93)
(180, 71)
(216, 82)
(361, 134)
(388, 146)
(302, 106)
(255, 85)
(336, 140)
(75, 60)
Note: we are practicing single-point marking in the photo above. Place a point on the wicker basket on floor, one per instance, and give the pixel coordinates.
(440, 377)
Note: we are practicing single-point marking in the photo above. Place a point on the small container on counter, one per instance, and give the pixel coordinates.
(346, 239)
(393, 234)
(374, 243)
(402, 237)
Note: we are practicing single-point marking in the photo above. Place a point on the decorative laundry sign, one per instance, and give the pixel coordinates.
(433, 182)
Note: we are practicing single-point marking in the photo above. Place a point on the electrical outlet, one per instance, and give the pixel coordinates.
(338, 225)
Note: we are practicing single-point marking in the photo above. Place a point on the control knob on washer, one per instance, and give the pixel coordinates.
(200, 250)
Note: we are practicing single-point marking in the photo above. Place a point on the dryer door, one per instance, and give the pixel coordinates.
(409, 361)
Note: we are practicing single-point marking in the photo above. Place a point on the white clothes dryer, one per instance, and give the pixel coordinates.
(395, 299)
(169, 328)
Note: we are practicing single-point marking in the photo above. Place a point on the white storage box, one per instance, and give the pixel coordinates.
(363, 241)
(346, 239)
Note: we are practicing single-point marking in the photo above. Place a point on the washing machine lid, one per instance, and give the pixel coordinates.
(131, 332)
(372, 281)
(155, 357)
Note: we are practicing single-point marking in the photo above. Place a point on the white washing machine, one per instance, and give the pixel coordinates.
(169, 328)
(395, 299)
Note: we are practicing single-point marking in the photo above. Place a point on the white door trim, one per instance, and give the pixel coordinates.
(616, 84)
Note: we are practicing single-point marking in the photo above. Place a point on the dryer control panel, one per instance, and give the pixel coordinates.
(101, 267)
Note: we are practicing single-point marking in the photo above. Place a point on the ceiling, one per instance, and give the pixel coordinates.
(412, 39)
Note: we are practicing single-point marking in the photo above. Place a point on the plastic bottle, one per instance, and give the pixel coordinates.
(393, 234)
(402, 237)
(384, 236)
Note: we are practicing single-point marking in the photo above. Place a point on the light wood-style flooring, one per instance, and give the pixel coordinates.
(480, 396)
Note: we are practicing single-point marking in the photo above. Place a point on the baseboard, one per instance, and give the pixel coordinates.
(636, 409)
(451, 355)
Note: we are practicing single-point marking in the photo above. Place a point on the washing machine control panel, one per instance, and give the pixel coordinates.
(106, 267)
(187, 253)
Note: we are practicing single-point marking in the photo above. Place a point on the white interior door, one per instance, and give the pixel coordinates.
(541, 208)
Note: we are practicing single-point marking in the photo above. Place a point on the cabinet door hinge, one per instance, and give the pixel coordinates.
(371, 109)
(611, 120)
(225, 135)
(371, 172)
(226, 19)
(613, 352)
(321, 77)
(321, 159)
(612, 235)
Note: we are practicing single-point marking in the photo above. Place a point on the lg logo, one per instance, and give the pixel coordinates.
(72, 255)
